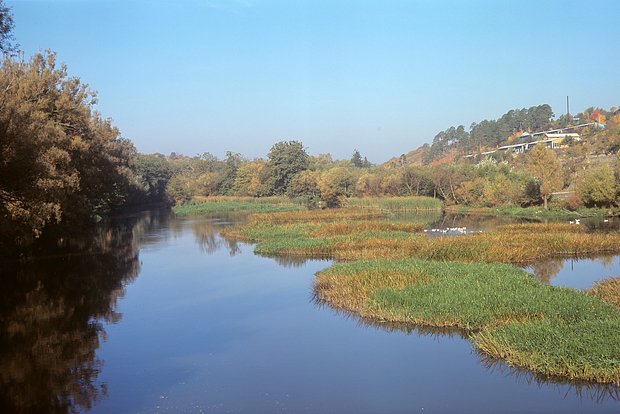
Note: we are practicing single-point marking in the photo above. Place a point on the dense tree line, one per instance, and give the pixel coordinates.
(525, 180)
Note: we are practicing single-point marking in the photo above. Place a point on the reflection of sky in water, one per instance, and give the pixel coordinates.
(210, 327)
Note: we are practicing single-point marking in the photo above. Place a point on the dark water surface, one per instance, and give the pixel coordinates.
(165, 316)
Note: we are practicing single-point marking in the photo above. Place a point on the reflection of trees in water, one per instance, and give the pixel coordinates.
(292, 261)
(606, 261)
(52, 311)
(546, 269)
(599, 393)
(207, 235)
(582, 390)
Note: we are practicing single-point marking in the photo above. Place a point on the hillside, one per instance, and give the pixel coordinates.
(514, 128)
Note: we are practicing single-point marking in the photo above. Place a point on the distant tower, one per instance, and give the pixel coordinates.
(567, 108)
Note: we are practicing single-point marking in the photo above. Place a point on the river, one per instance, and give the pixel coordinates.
(161, 315)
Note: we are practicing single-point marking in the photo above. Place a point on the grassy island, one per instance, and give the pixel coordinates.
(394, 272)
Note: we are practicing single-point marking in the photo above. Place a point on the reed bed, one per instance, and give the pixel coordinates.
(315, 216)
(586, 350)
(550, 330)
(373, 239)
(221, 204)
(527, 212)
(418, 203)
(607, 290)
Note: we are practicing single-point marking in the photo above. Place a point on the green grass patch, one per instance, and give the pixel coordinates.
(236, 204)
(528, 212)
(417, 203)
(511, 315)
(587, 350)
(442, 282)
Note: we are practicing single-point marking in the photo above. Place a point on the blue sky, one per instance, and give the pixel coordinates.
(384, 77)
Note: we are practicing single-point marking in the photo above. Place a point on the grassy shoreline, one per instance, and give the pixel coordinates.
(214, 205)
(393, 272)
(527, 212)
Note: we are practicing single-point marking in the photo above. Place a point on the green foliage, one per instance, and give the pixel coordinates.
(286, 158)
(598, 187)
(490, 133)
(153, 173)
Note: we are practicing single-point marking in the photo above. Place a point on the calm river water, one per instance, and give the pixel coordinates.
(159, 315)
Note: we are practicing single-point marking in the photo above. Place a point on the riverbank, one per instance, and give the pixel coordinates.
(536, 213)
(215, 205)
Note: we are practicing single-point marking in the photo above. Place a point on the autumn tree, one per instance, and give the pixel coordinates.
(543, 164)
(598, 187)
(60, 159)
(250, 179)
(6, 29)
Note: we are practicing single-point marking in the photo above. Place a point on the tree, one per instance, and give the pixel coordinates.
(598, 187)
(543, 164)
(250, 179)
(286, 158)
(6, 29)
(229, 171)
(356, 159)
(153, 173)
(60, 159)
(336, 184)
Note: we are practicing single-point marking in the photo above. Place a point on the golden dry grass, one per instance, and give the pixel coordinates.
(315, 216)
(607, 290)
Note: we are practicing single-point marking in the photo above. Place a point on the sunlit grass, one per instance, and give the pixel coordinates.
(465, 282)
(369, 238)
(587, 349)
(607, 290)
(527, 212)
(221, 204)
(550, 330)
(419, 203)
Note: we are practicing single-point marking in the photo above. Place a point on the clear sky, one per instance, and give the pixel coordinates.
(381, 76)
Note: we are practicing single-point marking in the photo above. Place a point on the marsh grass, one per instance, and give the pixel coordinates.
(221, 204)
(607, 290)
(395, 204)
(587, 350)
(451, 294)
(463, 282)
(510, 315)
(353, 234)
(527, 212)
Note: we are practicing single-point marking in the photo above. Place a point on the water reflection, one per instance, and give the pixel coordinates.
(578, 273)
(206, 233)
(52, 314)
(599, 393)
(54, 311)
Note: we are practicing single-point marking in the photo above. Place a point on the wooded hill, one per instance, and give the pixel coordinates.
(487, 135)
